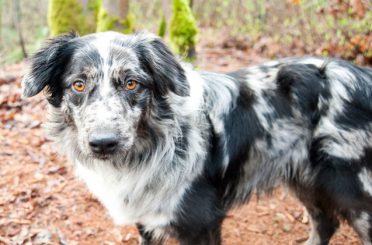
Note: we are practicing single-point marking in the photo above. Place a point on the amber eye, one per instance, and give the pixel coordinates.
(79, 86)
(131, 84)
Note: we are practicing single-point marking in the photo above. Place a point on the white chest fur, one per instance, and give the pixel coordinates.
(126, 196)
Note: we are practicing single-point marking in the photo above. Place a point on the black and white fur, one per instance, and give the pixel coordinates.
(191, 145)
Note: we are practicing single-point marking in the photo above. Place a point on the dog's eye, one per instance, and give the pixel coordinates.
(131, 84)
(79, 86)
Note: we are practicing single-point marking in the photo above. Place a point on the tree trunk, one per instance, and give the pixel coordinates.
(183, 29)
(72, 15)
(124, 8)
(165, 18)
(89, 13)
(167, 9)
(114, 15)
(1, 22)
(17, 23)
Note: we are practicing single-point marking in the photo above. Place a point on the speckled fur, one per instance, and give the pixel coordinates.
(195, 144)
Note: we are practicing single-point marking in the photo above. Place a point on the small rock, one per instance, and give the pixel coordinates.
(279, 217)
(287, 227)
(61, 237)
(43, 237)
(127, 237)
(305, 217)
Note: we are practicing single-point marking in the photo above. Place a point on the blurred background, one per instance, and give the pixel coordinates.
(271, 29)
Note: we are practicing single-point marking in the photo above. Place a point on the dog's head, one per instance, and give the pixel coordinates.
(106, 85)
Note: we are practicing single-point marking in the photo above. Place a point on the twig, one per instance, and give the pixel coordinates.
(17, 22)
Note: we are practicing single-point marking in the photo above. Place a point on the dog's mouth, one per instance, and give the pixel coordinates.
(109, 155)
(103, 157)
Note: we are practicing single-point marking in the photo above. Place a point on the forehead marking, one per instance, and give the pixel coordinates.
(102, 44)
(113, 56)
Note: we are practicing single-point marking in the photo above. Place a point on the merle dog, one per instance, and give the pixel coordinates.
(172, 149)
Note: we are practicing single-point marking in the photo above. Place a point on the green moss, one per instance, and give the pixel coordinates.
(128, 24)
(67, 15)
(91, 16)
(108, 22)
(62, 16)
(162, 27)
(183, 29)
(94, 6)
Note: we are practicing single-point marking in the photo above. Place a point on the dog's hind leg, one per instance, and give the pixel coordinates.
(323, 226)
(362, 223)
(323, 220)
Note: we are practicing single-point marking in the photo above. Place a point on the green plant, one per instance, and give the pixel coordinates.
(162, 27)
(107, 22)
(183, 29)
(67, 15)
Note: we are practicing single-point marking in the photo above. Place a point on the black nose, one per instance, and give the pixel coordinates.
(103, 142)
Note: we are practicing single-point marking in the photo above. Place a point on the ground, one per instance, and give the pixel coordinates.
(41, 201)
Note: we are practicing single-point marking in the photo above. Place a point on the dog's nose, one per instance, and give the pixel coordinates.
(103, 142)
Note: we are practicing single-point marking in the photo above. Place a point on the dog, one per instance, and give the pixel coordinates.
(172, 149)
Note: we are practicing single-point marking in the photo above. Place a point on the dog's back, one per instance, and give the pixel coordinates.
(308, 123)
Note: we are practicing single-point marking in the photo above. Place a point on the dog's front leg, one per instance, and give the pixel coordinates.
(202, 237)
(147, 237)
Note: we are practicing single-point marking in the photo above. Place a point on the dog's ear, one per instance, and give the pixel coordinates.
(47, 65)
(163, 66)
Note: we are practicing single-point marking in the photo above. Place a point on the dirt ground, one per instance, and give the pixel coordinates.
(41, 201)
